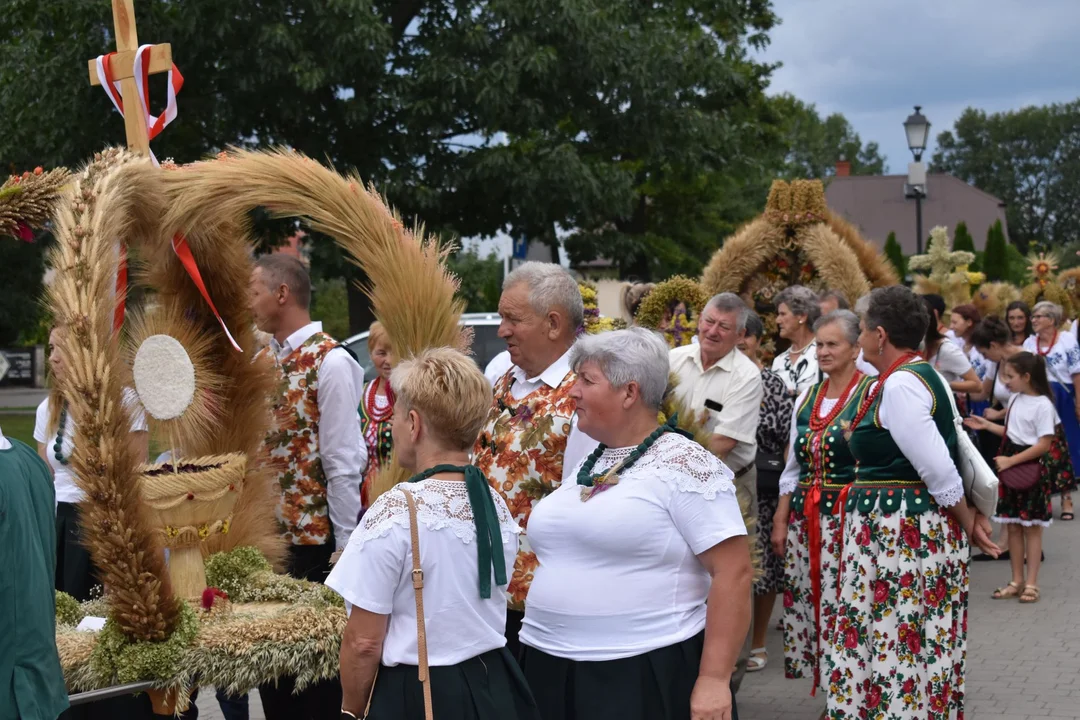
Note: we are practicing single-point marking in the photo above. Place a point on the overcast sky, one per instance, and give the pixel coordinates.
(872, 60)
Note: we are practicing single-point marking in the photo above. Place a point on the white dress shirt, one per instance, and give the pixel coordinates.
(375, 573)
(734, 384)
(904, 411)
(578, 444)
(498, 367)
(341, 443)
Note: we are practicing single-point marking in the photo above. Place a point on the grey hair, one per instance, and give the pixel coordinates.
(551, 287)
(624, 356)
(754, 326)
(847, 320)
(800, 301)
(730, 303)
(862, 305)
(1053, 310)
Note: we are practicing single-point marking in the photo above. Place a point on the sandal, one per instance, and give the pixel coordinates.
(1067, 515)
(759, 658)
(1030, 595)
(1009, 591)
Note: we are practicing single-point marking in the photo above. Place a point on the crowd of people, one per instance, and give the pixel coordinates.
(564, 552)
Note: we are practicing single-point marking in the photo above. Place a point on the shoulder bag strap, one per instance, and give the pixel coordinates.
(418, 589)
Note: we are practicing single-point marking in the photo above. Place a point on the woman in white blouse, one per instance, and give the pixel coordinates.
(1062, 355)
(797, 309)
(54, 431)
(468, 542)
(900, 631)
(948, 358)
(616, 625)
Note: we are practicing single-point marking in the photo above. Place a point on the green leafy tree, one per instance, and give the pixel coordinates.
(962, 239)
(21, 309)
(812, 145)
(531, 117)
(895, 254)
(481, 280)
(995, 262)
(1030, 159)
(330, 306)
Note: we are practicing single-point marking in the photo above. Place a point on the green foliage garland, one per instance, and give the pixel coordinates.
(116, 658)
(68, 609)
(245, 575)
(655, 310)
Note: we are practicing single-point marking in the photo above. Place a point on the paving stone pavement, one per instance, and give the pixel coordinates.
(1023, 660)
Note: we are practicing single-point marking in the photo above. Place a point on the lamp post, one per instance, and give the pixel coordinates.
(917, 128)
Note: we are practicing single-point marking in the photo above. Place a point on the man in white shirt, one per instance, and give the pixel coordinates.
(715, 377)
(315, 446)
(530, 444)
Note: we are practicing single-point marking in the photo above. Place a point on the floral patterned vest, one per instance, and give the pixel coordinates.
(823, 455)
(520, 451)
(302, 512)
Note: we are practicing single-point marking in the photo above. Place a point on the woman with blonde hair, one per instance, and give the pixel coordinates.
(376, 409)
(467, 543)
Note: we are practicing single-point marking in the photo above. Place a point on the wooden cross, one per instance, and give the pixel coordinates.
(123, 66)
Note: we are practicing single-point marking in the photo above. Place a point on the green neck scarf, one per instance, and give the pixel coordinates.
(489, 545)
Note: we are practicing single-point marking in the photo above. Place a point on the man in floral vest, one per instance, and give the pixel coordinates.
(531, 443)
(315, 446)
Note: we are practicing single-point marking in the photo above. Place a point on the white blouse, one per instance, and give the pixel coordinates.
(789, 479)
(1031, 417)
(800, 375)
(983, 368)
(905, 412)
(1001, 393)
(1063, 360)
(618, 575)
(951, 361)
(67, 491)
(375, 573)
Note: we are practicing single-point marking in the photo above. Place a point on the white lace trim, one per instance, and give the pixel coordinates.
(674, 458)
(950, 495)
(787, 487)
(440, 505)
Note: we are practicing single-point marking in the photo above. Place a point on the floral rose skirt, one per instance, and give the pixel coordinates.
(802, 649)
(901, 629)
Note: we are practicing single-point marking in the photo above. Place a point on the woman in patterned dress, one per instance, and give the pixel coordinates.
(1026, 436)
(377, 409)
(901, 626)
(772, 439)
(807, 530)
(1062, 355)
(797, 310)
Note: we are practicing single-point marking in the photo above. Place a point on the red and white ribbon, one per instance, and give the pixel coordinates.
(183, 252)
(141, 70)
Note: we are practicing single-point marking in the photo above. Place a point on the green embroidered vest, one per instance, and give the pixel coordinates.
(823, 455)
(883, 475)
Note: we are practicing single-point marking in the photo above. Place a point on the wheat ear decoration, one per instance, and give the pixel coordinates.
(411, 291)
(30, 199)
(93, 215)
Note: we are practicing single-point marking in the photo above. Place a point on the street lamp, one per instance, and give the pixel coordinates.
(917, 129)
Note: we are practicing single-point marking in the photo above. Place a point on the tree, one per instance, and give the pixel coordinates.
(1030, 159)
(995, 264)
(330, 306)
(962, 239)
(812, 145)
(481, 280)
(895, 254)
(20, 307)
(525, 116)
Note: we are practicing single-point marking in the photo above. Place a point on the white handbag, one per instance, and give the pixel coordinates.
(980, 480)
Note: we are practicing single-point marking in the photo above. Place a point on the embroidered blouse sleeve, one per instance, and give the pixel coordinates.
(790, 477)
(369, 570)
(1072, 352)
(905, 412)
(702, 502)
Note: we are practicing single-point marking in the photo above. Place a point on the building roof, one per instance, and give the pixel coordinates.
(877, 206)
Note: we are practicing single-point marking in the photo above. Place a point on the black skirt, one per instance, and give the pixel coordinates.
(653, 686)
(489, 686)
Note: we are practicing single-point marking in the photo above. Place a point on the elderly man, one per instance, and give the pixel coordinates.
(715, 377)
(832, 300)
(530, 442)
